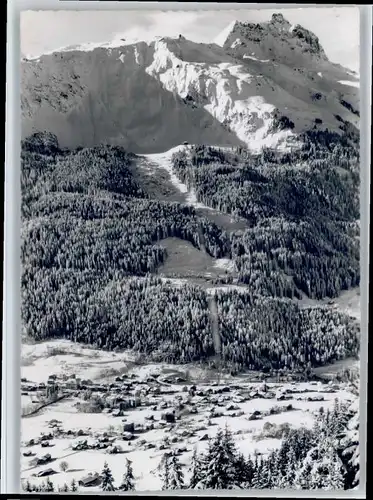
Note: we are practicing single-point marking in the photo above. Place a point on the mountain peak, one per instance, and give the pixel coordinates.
(223, 36)
(275, 39)
(279, 21)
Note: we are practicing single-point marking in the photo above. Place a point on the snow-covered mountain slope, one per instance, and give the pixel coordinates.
(106, 96)
(261, 88)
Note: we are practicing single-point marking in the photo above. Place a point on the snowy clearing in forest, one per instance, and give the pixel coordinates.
(64, 357)
(226, 264)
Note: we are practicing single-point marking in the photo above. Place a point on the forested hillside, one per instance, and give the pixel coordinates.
(92, 238)
(302, 206)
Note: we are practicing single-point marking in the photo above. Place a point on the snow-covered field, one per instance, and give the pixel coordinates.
(217, 400)
(348, 302)
(62, 357)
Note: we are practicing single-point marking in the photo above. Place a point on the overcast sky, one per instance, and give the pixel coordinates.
(43, 31)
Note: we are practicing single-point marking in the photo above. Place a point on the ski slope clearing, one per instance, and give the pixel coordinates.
(162, 161)
(162, 183)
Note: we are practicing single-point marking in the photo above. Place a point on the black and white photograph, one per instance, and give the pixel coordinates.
(190, 250)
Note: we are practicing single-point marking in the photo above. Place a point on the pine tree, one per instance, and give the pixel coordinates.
(274, 473)
(228, 443)
(303, 478)
(164, 471)
(291, 468)
(65, 488)
(107, 479)
(128, 483)
(255, 482)
(336, 481)
(74, 486)
(176, 474)
(321, 468)
(27, 486)
(196, 469)
(265, 476)
(350, 451)
(49, 486)
(241, 470)
(249, 471)
(42, 487)
(283, 454)
(221, 457)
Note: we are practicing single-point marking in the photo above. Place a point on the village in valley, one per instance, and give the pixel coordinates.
(73, 426)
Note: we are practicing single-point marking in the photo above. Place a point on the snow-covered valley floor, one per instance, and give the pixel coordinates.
(242, 403)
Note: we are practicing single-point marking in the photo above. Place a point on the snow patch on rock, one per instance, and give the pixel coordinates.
(226, 90)
(350, 84)
(236, 43)
(255, 59)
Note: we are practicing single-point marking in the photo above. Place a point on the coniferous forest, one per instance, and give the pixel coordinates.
(92, 245)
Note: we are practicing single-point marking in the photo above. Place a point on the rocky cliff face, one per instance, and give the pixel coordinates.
(264, 85)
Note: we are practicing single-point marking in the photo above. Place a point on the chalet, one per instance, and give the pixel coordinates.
(127, 436)
(45, 444)
(90, 480)
(169, 417)
(46, 472)
(117, 413)
(46, 437)
(129, 427)
(28, 453)
(41, 460)
(114, 449)
(148, 446)
(141, 428)
(80, 444)
(232, 407)
(71, 384)
(315, 398)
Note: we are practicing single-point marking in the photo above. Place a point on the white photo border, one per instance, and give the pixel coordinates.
(11, 359)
